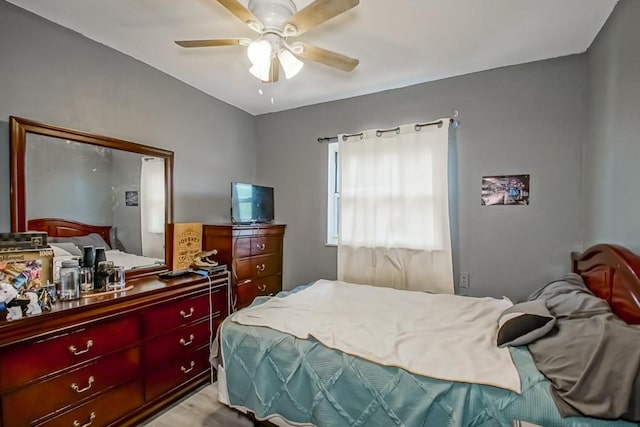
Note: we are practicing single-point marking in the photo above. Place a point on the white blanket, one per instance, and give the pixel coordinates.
(131, 261)
(441, 336)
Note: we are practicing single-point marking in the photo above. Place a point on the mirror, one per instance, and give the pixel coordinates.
(72, 184)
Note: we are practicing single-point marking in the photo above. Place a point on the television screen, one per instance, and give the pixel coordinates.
(251, 203)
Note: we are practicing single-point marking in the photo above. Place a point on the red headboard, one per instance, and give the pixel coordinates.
(613, 274)
(56, 227)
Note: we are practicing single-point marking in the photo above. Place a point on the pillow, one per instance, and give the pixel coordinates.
(93, 239)
(524, 323)
(65, 249)
(569, 297)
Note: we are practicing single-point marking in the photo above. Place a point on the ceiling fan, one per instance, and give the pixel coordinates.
(276, 21)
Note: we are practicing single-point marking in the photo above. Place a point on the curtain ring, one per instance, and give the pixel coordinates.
(345, 136)
(378, 133)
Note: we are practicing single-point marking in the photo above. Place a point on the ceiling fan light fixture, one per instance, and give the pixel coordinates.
(275, 21)
(290, 64)
(261, 71)
(255, 26)
(259, 52)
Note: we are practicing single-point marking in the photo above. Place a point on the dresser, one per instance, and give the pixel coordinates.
(254, 253)
(111, 360)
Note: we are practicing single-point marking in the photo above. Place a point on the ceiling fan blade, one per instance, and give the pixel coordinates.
(274, 71)
(318, 12)
(210, 43)
(241, 12)
(327, 57)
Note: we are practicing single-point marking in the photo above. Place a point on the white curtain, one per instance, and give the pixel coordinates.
(152, 207)
(394, 209)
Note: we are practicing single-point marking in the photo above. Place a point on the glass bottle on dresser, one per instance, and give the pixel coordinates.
(69, 280)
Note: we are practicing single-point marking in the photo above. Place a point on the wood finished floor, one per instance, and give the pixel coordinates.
(201, 409)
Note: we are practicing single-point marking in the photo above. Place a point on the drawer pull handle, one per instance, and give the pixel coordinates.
(261, 267)
(74, 350)
(92, 417)
(261, 246)
(189, 369)
(185, 342)
(185, 315)
(82, 390)
(262, 287)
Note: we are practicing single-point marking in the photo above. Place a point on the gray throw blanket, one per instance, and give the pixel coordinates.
(591, 357)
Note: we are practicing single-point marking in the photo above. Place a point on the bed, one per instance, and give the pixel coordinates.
(288, 380)
(67, 235)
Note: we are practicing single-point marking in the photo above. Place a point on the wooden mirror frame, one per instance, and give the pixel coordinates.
(21, 127)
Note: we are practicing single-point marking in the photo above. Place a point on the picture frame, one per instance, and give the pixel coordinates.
(505, 190)
(131, 198)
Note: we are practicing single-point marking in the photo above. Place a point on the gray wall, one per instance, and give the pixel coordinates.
(524, 119)
(53, 75)
(612, 152)
(126, 219)
(70, 181)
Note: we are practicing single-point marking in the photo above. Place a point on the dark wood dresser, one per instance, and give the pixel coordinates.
(254, 253)
(114, 359)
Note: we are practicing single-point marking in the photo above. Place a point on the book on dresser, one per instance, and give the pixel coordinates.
(253, 254)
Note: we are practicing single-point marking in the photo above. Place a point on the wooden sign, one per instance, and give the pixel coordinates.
(184, 241)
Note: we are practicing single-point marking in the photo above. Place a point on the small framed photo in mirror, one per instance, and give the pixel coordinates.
(131, 198)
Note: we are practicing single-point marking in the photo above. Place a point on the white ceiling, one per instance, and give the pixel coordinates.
(398, 42)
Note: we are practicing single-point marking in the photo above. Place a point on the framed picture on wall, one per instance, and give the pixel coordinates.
(131, 198)
(505, 190)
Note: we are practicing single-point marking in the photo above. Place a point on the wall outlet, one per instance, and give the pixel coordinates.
(463, 280)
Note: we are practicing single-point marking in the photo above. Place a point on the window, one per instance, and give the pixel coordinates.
(333, 196)
(152, 192)
(388, 208)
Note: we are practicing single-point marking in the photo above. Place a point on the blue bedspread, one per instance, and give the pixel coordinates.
(303, 381)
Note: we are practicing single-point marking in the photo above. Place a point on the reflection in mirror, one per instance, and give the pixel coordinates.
(66, 179)
(99, 186)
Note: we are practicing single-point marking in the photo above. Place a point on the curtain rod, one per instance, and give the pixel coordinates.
(380, 132)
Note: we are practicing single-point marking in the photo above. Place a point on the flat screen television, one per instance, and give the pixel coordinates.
(251, 204)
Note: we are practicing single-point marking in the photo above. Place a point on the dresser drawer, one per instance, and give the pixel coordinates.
(242, 247)
(247, 291)
(266, 244)
(220, 304)
(22, 364)
(177, 372)
(257, 245)
(176, 344)
(174, 314)
(260, 266)
(70, 388)
(104, 409)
